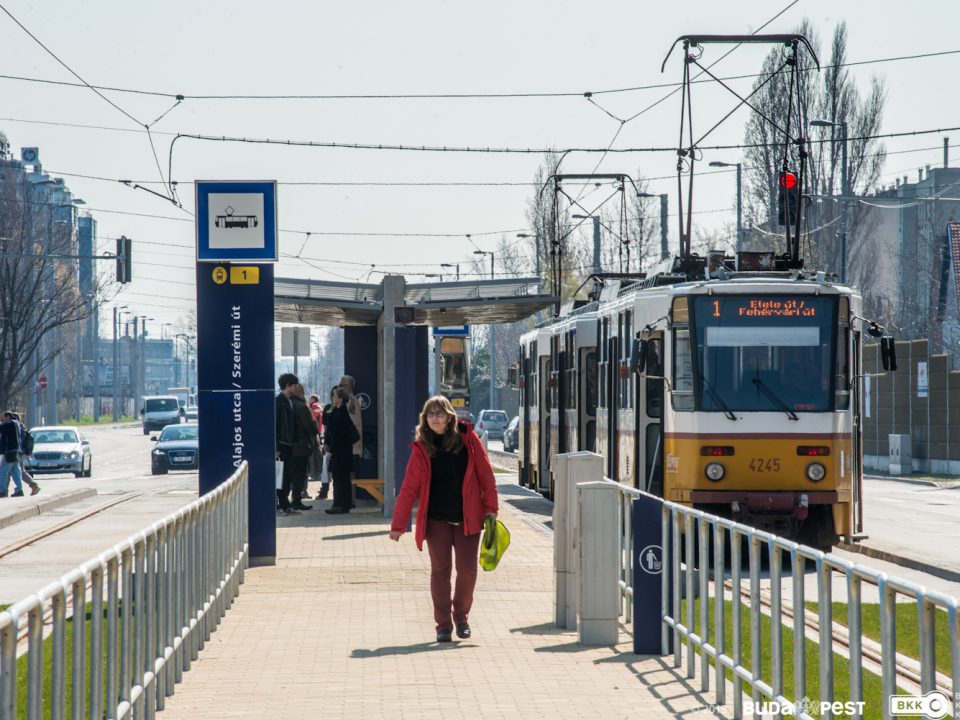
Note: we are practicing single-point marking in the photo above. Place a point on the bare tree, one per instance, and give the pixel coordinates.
(831, 95)
(38, 280)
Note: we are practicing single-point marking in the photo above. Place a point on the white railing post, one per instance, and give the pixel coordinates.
(599, 596)
(571, 469)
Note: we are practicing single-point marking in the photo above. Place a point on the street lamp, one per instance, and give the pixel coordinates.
(452, 265)
(493, 331)
(719, 163)
(664, 223)
(596, 242)
(117, 310)
(536, 251)
(844, 189)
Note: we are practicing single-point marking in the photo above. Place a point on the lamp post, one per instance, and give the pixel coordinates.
(117, 309)
(452, 265)
(664, 224)
(596, 242)
(844, 189)
(493, 332)
(719, 163)
(536, 252)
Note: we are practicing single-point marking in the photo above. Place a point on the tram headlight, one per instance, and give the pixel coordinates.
(714, 471)
(816, 472)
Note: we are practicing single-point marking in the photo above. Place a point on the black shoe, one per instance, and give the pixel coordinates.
(333, 511)
(444, 636)
(18, 493)
(301, 506)
(463, 630)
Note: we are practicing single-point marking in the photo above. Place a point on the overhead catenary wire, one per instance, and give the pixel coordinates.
(441, 96)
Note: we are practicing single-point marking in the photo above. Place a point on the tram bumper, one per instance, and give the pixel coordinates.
(779, 512)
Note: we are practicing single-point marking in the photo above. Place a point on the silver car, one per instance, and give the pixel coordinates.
(494, 422)
(59, 449)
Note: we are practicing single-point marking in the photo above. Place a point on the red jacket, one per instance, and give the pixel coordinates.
(479, 488)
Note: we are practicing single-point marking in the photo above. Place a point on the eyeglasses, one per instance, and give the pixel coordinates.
(436, 415)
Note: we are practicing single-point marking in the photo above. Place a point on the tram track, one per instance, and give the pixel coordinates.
(907, 668)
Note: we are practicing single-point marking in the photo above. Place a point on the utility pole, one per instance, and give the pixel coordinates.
(492, 340)
(116, 365)
(664, 219)
(95, 339)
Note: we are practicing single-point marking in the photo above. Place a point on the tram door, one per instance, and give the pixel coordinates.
(543, 459)
(857, 459)
(649, 435)
(587, 404)
(526, 388)
(612, 370)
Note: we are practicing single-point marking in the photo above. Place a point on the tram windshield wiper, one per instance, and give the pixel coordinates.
(716, 397)
(772, 397)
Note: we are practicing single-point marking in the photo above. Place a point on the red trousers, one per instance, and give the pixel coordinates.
(443, 540)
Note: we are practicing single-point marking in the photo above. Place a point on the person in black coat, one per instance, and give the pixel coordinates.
(340, 435)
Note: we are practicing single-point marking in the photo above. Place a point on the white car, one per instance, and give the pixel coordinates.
(191, 413)
(59, 449)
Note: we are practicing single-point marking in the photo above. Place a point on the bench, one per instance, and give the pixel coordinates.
(372, 486)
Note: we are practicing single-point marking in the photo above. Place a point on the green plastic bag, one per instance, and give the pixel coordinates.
(496, 540)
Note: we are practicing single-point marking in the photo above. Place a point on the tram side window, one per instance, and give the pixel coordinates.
(654, 366)
(533, 389)
(590, 368)
(682, 371)
(602, 370)
(842, 389)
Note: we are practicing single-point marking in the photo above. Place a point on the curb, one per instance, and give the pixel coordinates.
(45, 505)
(909, 563)
(912, 481)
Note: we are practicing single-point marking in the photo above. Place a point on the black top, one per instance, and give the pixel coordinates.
(9, 440)
(446, 482)
(340, 435)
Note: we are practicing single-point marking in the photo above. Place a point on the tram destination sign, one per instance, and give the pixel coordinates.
(765, 307)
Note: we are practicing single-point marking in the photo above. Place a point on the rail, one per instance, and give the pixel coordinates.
(691, 569)
(142, 611)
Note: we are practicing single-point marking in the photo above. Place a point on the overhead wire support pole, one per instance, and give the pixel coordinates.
(688, 148)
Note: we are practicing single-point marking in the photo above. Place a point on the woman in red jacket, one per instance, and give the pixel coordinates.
(449, 474)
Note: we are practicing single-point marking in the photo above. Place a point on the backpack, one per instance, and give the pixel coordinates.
(27, 442)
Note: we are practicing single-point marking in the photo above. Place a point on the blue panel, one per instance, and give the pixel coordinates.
(648, 577)
(360, 362)
(235, 383)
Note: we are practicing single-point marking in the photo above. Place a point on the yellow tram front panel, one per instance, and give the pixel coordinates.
(756, 462)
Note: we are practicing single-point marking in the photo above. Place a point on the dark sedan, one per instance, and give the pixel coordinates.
(177, 449)
(511, 436)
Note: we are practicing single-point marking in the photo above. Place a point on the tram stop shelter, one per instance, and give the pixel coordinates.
(386, 346)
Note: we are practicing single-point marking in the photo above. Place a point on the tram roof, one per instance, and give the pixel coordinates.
(471, 302)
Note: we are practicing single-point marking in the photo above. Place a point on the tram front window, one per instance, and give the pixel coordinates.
(764, 353)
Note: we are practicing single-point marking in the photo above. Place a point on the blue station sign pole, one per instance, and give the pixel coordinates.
(236, 246)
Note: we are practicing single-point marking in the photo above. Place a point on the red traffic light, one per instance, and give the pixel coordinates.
(788, 180)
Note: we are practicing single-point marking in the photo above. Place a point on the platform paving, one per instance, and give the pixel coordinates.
(342, 627)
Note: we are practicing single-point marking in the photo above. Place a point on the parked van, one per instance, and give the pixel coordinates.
(158, 411)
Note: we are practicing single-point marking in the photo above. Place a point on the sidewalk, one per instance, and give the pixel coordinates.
(342, 627)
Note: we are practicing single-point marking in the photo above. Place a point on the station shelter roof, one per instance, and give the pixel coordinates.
(439, 304)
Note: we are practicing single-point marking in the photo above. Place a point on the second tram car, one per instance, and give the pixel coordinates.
(737, 395)
(452, 366)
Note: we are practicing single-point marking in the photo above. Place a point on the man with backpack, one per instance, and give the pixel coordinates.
(26, 450)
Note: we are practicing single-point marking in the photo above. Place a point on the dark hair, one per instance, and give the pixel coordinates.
(452, 442)
(342, 393)
(286, 380)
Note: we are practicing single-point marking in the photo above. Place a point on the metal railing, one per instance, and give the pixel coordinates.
(691, 571)
(148, 605)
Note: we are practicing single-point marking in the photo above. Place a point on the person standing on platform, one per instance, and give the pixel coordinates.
(304, 443)
(341, 435)
(325, 472)
(285, 436)
(348, 383)
(450, 477)
(315, 466)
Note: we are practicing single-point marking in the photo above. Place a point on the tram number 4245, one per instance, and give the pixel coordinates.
(761, 465)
